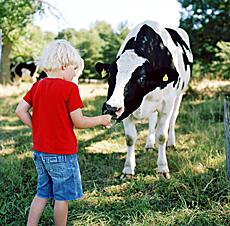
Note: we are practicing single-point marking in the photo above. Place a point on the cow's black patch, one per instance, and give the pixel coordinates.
(177, 39)
(130, 44)
(148, 44)
(178, 83)
(100, 67)
(112, 79)
(111, 70)
(182, 85)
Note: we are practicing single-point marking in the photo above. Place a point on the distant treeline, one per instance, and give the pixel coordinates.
(99, 43)
(207, 23)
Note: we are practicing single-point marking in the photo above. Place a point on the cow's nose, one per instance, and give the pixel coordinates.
(108, 109)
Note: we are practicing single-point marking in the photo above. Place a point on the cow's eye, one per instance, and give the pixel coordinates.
(141, 81)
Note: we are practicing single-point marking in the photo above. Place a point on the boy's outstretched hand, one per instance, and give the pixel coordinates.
(80, 121)
(105, 120)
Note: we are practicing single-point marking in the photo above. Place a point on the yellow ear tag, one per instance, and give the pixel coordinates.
(165, 78)
(103, 73)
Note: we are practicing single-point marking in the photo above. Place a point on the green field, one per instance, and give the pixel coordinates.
(197, 193)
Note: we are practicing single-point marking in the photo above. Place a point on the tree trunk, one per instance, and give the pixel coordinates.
(5, 64)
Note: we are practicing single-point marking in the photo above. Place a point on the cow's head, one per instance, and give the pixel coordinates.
(126, 78)
(144, 65)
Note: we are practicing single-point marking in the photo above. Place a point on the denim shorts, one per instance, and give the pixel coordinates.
(58, 176)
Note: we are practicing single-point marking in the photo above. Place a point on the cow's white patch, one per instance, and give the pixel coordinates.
(126, 65)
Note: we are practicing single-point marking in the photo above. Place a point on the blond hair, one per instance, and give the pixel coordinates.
(60, 53)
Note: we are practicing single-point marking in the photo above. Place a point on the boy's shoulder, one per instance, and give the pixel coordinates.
(57, 81)
(56, 84)
(70, 84)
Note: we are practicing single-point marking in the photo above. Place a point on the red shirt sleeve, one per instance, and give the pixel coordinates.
(28, 97)
(74, 101)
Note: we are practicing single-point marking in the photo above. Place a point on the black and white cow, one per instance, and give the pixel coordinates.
(26, 72)
(147, 80)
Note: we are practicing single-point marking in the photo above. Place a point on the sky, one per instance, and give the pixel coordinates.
(80, 14)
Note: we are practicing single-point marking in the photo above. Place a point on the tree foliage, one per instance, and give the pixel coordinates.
(221, 66)
(99, 43)
(207, 22)
(15, 15)
(29, 46)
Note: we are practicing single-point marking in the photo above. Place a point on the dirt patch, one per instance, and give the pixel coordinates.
(92, 90)
(209, 88)
(210, 84)
(14, 90)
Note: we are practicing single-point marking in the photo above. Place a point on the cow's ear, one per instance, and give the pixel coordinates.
(102, 69)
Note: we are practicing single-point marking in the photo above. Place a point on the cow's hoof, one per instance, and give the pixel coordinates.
(165, 175)
(148, 149)
(171, 147)
(126, 176)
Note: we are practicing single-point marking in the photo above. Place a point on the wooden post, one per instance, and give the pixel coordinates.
(227, 136)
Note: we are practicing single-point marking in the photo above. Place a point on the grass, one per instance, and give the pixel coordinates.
(197, 193)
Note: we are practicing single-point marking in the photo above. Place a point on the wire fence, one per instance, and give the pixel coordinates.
(227, 135)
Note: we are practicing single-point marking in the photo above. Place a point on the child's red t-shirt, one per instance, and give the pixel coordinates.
(52, 100)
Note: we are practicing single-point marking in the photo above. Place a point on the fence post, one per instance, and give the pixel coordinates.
(0, 50)
(227, 136)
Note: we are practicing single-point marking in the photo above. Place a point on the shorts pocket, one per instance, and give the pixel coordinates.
(56, 165)
(38, 164)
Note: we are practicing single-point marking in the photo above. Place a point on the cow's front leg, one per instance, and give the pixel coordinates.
(150, 141)
(162, 136)
(131, 136)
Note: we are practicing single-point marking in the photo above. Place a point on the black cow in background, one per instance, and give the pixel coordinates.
(26, 72)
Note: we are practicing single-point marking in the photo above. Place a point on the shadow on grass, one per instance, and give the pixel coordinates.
(16, 139)
(141, 199)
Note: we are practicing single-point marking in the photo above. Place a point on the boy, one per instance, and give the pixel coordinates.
(56, 105)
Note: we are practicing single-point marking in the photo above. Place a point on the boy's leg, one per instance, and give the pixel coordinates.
(60, 213)
(37, 206)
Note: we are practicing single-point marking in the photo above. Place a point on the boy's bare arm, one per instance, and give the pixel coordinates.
(22, 111)
(80, 121)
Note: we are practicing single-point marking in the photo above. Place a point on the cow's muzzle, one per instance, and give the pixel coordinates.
(108, 109)
(115, 112)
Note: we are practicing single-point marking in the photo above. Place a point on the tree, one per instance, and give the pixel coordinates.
(90, 49)
(88, 43)
(99, 43)
(69, 34)
(222, 63)
(207, 22)
(111, 40)
(108, 41)
(15, 15)
(28, 47)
